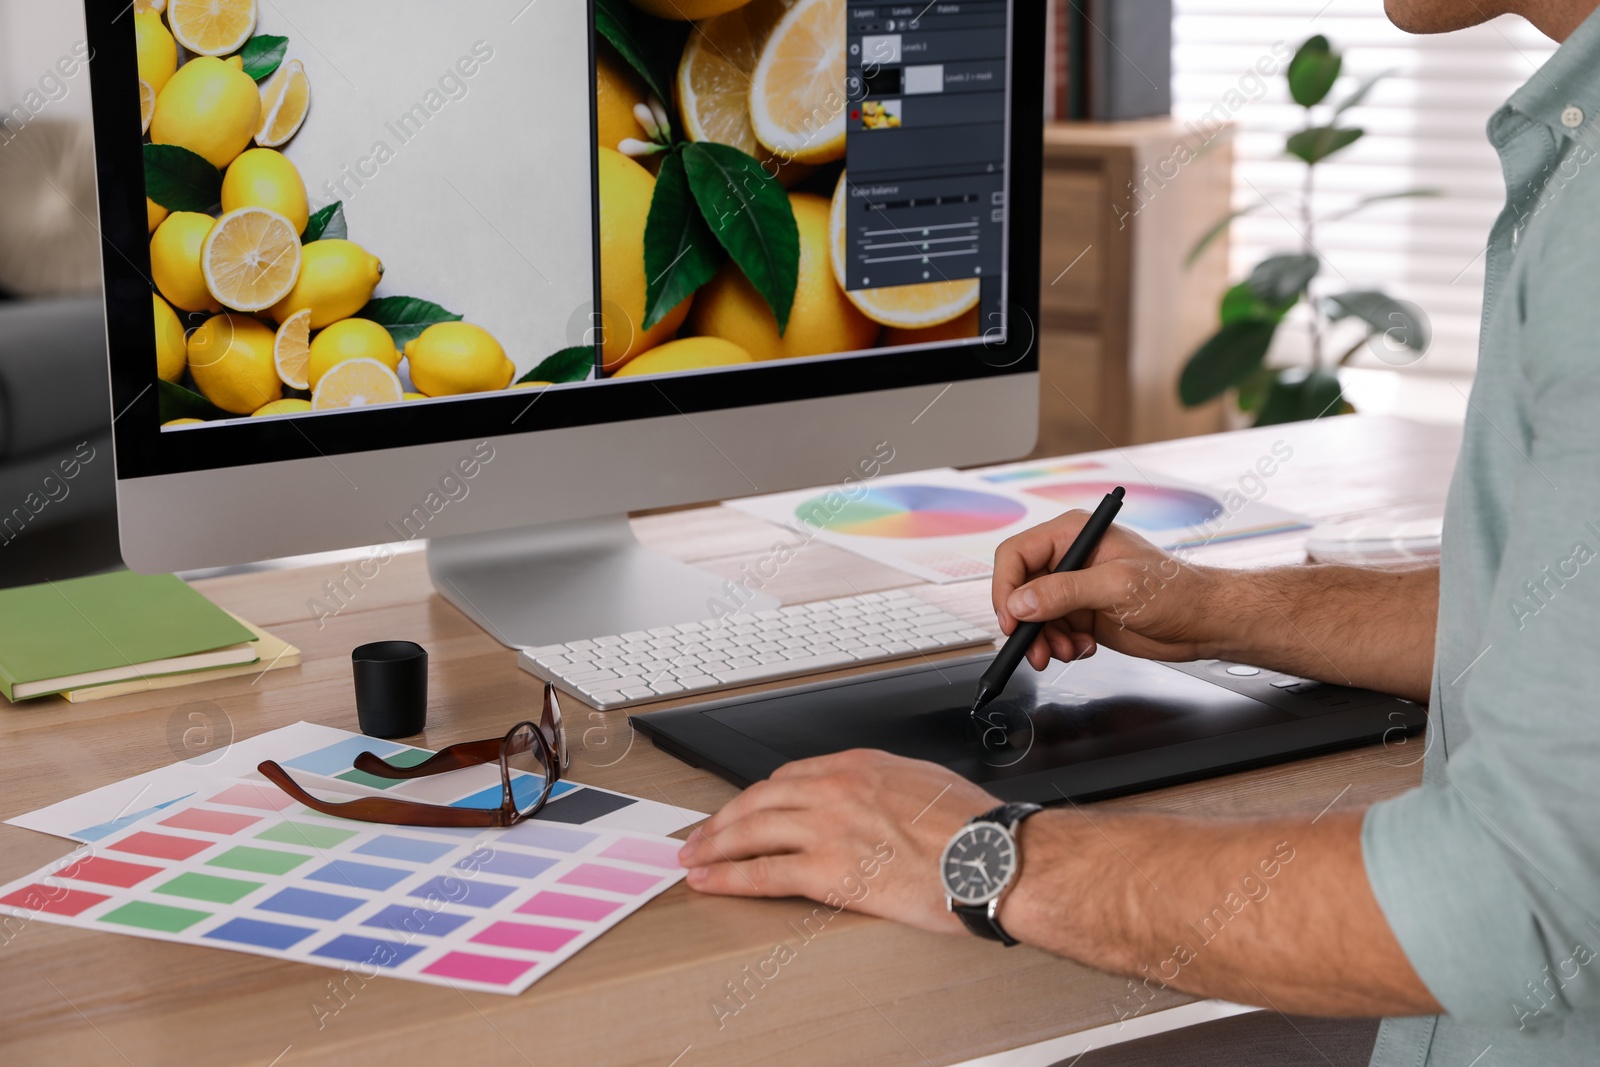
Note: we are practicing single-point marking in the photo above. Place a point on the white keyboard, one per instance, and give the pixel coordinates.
(622, 670)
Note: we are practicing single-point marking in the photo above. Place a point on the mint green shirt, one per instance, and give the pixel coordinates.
(1489, 872)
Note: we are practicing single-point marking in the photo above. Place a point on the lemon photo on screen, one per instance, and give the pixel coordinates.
(719, 213)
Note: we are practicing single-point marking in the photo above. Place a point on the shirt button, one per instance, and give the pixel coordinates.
(1572, 117)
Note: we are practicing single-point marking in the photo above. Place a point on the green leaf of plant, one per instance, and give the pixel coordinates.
(1378, 198)
(327, 225)
(1320, 142)
(1386, 315)
(1241, 302)
(567, 365)
(1313, 70)
(1361, 91)
(176, 402)
(1219, 228)
(405, 317)
(1253, 390)
(651, 46)
(680, 252)
(180, 180)
(1296, 395)
(748, 212)
(1279, 280)
(1230, 356)
(262, 55)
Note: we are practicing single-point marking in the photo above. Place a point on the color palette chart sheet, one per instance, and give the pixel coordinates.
(242, 867)
(1174, 514)
(321, 758)
(940, 525)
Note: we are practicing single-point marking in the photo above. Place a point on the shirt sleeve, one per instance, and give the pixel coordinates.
(1489, 873)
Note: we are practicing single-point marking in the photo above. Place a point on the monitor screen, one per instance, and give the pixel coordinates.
(378, 222)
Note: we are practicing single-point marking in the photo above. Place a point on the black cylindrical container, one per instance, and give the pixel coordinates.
(391, 688)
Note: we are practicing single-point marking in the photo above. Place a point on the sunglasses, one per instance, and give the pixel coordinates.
(527, 751)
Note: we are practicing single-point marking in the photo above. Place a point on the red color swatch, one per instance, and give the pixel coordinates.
(106, 871)
(161, 846)
(264, 797)
(211, 822)
(57, 900)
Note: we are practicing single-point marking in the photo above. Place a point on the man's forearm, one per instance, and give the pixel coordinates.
(1274, 912)
(1351, 625)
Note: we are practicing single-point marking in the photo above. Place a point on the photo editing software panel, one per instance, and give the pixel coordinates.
(370, 203)
(927, 146)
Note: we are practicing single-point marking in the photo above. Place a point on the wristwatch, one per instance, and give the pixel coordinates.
(980, 864)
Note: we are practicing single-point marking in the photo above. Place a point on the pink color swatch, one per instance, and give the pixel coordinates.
(57, 900)
(105, 871)
(265, 797)
(161, 846)
(649, 853)
(612, 879)
(211, 822)
(525, 936)
(567, 906)
(491, 970)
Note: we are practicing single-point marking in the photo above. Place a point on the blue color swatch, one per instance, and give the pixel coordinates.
(358, 875)
(416, 920)
(369, 950)
(506, 864)
(524, 789)
(542, 835)
(461, 889)
(310, 904)
(410, 849)
(255, 932)
(340, 757)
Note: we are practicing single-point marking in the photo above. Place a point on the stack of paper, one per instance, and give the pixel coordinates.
(113, 628)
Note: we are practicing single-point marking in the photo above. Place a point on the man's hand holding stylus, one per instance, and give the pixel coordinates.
(1132, 597)
(1354, 626)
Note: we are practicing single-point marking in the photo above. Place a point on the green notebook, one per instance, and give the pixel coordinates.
(108, 628)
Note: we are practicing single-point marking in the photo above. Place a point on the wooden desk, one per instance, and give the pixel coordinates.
(863, 991)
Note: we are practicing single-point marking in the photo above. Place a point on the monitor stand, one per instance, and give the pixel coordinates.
(562, 581)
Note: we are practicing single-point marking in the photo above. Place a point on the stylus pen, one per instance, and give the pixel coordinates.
(1005, 664)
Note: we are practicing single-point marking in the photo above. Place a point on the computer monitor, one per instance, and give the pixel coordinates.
(495, 273)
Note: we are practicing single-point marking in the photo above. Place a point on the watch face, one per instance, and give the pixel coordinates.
(978, 863)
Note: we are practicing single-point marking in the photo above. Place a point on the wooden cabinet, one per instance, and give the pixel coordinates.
(1119, 311)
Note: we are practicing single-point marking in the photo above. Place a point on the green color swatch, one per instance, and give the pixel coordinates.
(258, 860)
(406, 758)
(154, 916)
(307, 834)
(208, 887)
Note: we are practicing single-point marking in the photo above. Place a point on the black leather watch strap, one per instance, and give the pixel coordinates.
(977, 918)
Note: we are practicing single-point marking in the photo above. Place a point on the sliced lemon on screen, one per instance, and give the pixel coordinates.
(797, 93)
(285, 99)
(147, 105)
(141, 6)
(212, 27)
(908, 307)
(357, 383)
(714, 74)
(291, 352)
(251, 259)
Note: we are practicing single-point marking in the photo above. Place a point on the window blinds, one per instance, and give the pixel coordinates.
(1424, 127)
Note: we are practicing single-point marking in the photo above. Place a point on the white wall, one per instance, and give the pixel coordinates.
(33, 35)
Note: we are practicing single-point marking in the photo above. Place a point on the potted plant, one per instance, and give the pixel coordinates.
(1234, 358)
